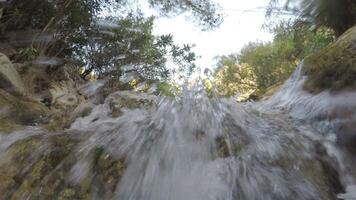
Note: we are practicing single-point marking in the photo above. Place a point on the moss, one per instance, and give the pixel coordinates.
(38, 171)
(223, 148)
(334, 67)
(323, 176)
(58, 122)
(127, 99)
(271, 91)
(166, 89)
(67, 194)
(19, 111)
(105, 175)
(30, 165)
(22, 149)
(39, 168)
(116, 106)
(8, 126)
(14, 170)
(108, 170)
(7, 183)
(57, 149)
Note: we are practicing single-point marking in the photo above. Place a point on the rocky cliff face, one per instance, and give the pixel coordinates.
(334, 67)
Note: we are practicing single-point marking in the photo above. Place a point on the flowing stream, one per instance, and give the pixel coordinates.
(195, 147)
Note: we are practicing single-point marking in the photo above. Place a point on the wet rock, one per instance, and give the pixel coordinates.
(65, 95)
(222, 147)
(324, 177)
(81, 110)
(322, 172)
(37, 81)
(129, 100)
(39, 167)
(10, 80)
(21, 111)
(93, 91)
(334, 66)
(350, 193)
(346, 135)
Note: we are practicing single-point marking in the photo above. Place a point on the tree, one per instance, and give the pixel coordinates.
(232, 78)
(132, 43)
(266, 64)
(205, 12)
(39, 14)
(104, 45)
(338, 15)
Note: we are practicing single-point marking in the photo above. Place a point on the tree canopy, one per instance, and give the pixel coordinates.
(86, 32)
(338, 15)
(261, 65)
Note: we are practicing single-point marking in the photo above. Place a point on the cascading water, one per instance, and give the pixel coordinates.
(193, 147)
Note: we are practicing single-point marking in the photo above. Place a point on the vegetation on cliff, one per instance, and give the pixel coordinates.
(334, 67)
(259, 66)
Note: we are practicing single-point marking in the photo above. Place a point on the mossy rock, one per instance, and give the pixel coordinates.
(31, 160)
(40, 167)
(7, 126)
(334, 67)
(129, 100)
(323, 176)
(10, 80)
(19, 111)
(222, 147)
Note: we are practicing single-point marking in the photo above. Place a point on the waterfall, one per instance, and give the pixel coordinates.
(193, 147)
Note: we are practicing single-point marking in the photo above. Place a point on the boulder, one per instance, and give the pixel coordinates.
(42, 167)
(65, 95)
(17, 111)
(346, 135)
(93, 91)
(129, 100)
(10, 80)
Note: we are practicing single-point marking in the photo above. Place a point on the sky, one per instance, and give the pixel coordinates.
(242, 24)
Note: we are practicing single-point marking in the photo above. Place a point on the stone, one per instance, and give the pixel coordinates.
(65, 95)
(346, 135)
(129, 100)
(39, 168)
(18, 111)
(334, 67)
(10, 80)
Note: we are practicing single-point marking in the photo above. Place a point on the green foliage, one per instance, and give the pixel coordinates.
(27, 54)
(232, 78)
(166, 89)
(271, 63)
(132, 43)
(205, 12)
(338, 15)
(103, 46)
(74, 14)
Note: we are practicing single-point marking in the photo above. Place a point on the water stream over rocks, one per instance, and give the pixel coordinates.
(138, 146)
